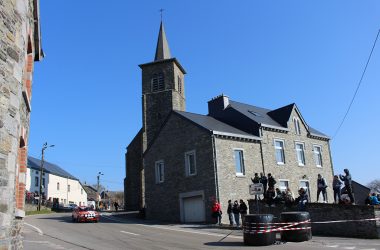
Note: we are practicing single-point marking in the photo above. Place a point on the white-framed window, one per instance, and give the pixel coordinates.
(158, 83)
(36, 181)
(68, 188)
(179, 84)
(317, 155)
(297, 127)
(159, 170)
(57, 185)
(239, 162)
(300, 152)
(190, 163)
(283, 184)
(279, 150)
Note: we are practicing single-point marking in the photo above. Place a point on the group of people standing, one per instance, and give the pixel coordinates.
(235, 211)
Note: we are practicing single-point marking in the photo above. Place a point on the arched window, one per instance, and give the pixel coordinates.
(158, 82)
(297, 127)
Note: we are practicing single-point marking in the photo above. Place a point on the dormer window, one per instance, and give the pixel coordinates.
(158, 83)
(297, 127)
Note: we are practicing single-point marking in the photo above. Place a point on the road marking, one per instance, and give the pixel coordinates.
(349, 247)
(181, 230)
(334, 246)
(36, 228)
(129, 233)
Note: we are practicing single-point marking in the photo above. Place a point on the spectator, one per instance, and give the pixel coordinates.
(264, 181)
(374, 200)
(271, 181)
(256, 178)
(289, 198)
(337, 186)
(270, 196)
(243, 211)
(367, 200)
(321, 187)
(302, 199)
(236, 212)
(229, 212)
(280, 197)
(217, 212)
(347, 179)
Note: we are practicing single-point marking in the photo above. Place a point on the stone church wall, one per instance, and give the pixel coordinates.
(176, 138)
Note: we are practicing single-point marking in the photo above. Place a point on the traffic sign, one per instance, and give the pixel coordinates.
(256, 189)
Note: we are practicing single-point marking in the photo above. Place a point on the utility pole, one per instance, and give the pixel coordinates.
(45, 146)
(98, 177)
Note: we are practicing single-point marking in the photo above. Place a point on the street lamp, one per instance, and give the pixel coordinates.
(98, 176)
(45, 146)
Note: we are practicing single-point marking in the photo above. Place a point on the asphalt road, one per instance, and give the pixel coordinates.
(56, 231)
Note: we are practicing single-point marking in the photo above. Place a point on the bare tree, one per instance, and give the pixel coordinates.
(374, 185)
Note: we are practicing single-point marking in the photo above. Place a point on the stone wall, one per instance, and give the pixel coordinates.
(19, 48)
(320, 212)
(291, 170)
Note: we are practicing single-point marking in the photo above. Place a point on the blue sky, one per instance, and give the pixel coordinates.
(87, 91)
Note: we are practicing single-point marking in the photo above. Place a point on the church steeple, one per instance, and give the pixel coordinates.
(162, 49)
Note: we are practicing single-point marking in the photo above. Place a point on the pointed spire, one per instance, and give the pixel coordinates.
(162, 49)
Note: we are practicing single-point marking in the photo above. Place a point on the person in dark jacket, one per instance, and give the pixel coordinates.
(229, 212)
(347, 179)
(302, 199)
(271, 181)
(236, 212)
(264, 181)
(243, 211)
(337, 186)
(321, 187)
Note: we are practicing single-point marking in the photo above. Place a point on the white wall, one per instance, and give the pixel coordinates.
(76, 195)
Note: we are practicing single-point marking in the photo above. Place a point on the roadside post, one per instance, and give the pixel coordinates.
(256, 189)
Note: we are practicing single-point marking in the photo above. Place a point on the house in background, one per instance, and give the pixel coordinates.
(92, 194)
(179, 162)
(56, 183)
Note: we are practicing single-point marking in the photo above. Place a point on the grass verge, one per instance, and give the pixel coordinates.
(42, 211)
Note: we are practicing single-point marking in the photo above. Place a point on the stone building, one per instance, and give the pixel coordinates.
(179, 162)
(20, 46)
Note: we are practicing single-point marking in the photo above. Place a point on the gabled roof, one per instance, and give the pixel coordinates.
(276, 119)
(215, 126)
(282, 115)
(34, 163)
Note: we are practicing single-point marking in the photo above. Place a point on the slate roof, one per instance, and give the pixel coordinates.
(257, 114)
(217, 127)
(50, 168)
(162, 49)
(277, 118)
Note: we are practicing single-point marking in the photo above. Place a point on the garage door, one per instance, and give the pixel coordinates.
(194, 209)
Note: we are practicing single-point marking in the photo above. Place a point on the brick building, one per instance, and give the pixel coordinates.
(179, 162)
(19, 47)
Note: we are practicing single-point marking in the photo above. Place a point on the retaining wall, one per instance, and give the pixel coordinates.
(322, 212)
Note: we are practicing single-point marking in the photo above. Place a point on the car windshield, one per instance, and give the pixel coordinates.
(86, 209)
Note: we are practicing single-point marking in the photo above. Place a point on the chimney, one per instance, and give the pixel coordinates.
(217, 104)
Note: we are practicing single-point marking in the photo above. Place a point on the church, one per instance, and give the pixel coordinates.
(180, 162)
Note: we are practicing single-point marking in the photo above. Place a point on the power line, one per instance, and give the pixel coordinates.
(357, 88)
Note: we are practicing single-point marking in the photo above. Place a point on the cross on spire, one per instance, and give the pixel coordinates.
(161, 10)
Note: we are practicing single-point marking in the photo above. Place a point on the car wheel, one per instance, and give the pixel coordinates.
(96, 221)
